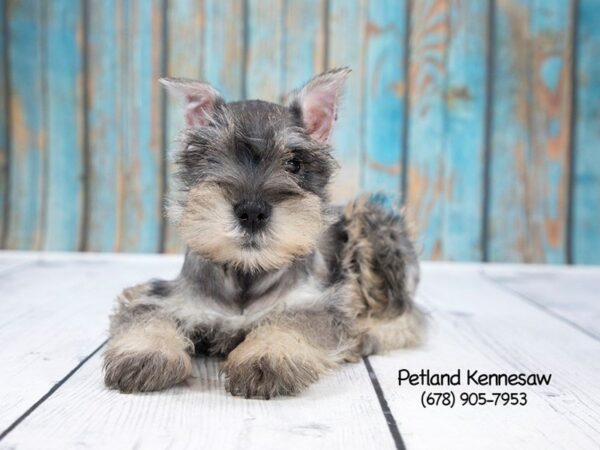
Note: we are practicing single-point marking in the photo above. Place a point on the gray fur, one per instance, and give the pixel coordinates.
(284, 308)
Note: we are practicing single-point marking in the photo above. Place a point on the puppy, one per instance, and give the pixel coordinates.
(275, 279)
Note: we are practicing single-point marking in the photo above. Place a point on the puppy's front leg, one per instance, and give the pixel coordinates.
(146, 350)
(283, 356)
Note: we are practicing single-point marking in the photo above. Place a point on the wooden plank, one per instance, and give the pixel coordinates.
(429, 40)
(104, 124)
(585, 238)
(4, 118)
(264, 63)
(477, 325)
(58, 320)
(384, 94)
(346, 35)
(142, 156)
(65, 121)
(464, 110)
(224, 47)
(530, 134)
(447, 127)
(569, 293)
(184, 52)
(339, 412)
(303, 42)
(28, 136)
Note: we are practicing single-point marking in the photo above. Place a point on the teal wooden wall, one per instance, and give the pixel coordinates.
(483, 116)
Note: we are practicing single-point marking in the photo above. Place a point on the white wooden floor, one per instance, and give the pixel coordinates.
(494, 319)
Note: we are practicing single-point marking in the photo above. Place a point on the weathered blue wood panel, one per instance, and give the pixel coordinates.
(28, 136)
(384, 95)
(142, 155)
(303, 42)
(430, 34)
(552, 33)
(65, 122)
(346, 35)
(105, 56)
(86, 129)
(264, 63)
(224, 47)
(585, 239)
(185, 26)
(530, 132)
(465, 130)
(509, 134)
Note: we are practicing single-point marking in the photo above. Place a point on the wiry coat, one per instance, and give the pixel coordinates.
(314, 287)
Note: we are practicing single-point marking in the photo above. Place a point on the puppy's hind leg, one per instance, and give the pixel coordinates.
(384, 334)
(146, 351)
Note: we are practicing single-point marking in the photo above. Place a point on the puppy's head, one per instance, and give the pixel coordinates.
(251, 184)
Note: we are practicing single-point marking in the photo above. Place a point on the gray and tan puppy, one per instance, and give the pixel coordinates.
(284, 285)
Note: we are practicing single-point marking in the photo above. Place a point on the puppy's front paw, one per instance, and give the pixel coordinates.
(143, 372)
(148, 358)
(276, 364)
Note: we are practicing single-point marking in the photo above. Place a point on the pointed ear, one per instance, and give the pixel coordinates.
(317, 102)
(201, 99)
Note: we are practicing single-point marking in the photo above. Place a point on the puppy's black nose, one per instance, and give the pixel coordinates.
(253, 215)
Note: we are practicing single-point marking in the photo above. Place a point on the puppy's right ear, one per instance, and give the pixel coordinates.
(201, 99)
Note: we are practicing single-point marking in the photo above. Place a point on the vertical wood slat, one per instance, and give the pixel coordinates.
(427, 182)
(465, 130)
(65, 125)
(530, 134)
(125, 125)
(384, 95)
(28, 137)
(105, 94)
(264, 63)
(346, 35)
(303, 37)
(142, 156)
(585, 238)
(224, 47)
(447, 127)
(185, 26)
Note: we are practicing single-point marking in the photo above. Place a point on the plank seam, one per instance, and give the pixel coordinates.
(572, 155)
(245, 47)
(406, 105)
(164, 67)
(326, 7)
(541, 307)
(487, 138)
(48, 394)
(8, 137)
(40, 241)
(385, 409)
(86, 152)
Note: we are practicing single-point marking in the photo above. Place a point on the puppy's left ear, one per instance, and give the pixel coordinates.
(317, 102)
(201, 99)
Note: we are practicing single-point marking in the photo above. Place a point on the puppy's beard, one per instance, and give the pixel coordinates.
(209, 227)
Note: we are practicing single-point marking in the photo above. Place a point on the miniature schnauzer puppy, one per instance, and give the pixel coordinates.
(277, 280)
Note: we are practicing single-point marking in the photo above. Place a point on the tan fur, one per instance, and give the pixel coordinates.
(147, 356)
(382, 335)
(275, 361)
(359, 262)
(209, 227)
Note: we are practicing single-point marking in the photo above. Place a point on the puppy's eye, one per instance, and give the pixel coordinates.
(293, 165)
